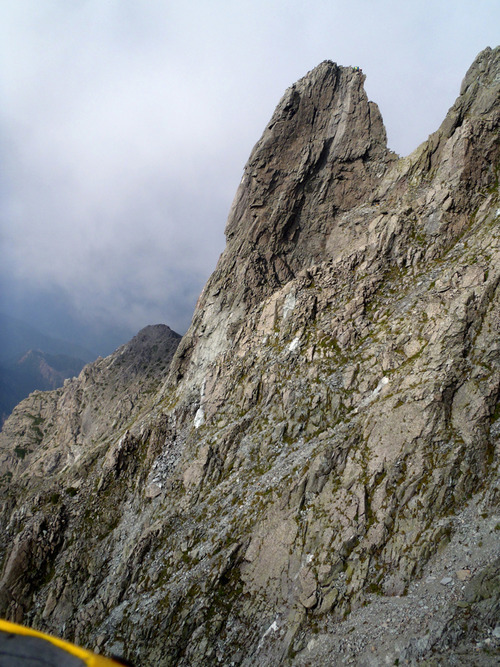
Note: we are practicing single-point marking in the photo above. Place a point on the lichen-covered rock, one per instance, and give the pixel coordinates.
(332, 407)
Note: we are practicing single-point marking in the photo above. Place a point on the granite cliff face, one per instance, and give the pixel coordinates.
(326, 437)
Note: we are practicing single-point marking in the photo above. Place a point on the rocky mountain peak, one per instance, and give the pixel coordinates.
(315, 184)
(481, 83)
(74, 417)
(323, 153)
(314, 478)
(463, 150)
(323, 150)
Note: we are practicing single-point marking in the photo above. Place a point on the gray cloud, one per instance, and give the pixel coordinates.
(126, 124)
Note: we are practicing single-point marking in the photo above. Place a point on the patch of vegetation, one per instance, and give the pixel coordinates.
(21, 452)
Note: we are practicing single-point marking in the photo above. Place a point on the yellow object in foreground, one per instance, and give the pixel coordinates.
(23, 646)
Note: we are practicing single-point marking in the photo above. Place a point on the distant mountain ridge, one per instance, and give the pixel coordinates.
(30, 360)
(35, 370)
(17, 337)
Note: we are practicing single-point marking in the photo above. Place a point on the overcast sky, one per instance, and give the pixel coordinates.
(125, 126)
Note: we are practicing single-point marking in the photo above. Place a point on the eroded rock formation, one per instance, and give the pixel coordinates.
(332, 409)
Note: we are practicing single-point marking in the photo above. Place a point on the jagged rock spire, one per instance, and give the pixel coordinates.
(323, 152)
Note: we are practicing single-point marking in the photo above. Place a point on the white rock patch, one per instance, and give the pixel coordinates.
(199, 417)
(289, 304)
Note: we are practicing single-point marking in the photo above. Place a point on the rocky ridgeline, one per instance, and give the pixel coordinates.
(318, 468)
